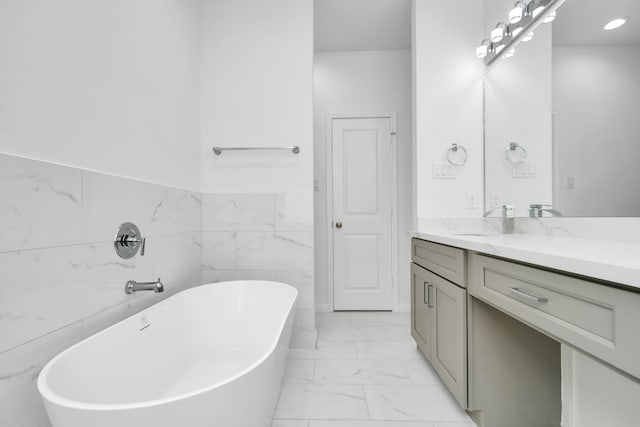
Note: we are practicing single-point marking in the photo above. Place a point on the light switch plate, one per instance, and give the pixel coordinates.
(524, 170)
(495, 200)
(443, 170)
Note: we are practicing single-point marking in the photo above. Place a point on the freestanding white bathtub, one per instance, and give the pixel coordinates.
(210, 356)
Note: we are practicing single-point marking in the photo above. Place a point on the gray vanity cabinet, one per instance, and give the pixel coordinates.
(598, 319)
(569, 344)
(439, 313)
(523, 345)
(420, 310)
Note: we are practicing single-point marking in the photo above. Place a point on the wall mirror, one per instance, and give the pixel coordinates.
(562, 116)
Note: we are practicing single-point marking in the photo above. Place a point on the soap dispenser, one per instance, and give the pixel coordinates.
(508, 219)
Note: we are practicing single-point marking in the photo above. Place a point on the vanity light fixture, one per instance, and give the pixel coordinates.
(484, 48)
(517, 30)
(538, 6)
(537, 11)
(549, 18)
(515, 14)
(523, 18)
(615, 23)
(498, 33)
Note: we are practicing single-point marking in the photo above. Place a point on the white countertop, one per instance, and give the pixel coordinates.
(613, 261)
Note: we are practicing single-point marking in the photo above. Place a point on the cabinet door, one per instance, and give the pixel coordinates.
(420, 311)
(448, 335)
(583, 402)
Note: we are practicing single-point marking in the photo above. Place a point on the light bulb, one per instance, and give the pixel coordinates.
(499, 49)
(515, 14)
(482, 51)
(550, 17)
(497, 33)
(537, 11)
(538, 6)
(484, 48)
(516, 31)
(528, 37)
(616, 23)
(510, 53)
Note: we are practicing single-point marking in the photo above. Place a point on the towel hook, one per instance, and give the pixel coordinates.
(454, 149)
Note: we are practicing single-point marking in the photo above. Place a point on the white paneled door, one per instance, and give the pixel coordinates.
(362, 207)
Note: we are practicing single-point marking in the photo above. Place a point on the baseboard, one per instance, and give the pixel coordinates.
(323, 308)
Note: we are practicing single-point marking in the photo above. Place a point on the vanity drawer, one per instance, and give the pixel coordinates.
(445, 261)
(600, 320)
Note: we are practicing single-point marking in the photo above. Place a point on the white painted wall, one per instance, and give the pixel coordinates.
(256, 88)
(112, 87)
(447, 104)
(109, 86)
(596, 99)
(518, 109)
(354, 83)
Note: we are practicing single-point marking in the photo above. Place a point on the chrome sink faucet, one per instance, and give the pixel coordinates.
(536, 210)
(132, 286)
(508, 218)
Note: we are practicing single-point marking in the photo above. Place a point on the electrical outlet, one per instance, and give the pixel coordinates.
(472, 200)
(571, 183)
(495, 200)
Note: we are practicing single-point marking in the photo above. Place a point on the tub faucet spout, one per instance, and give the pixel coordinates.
(132, 286)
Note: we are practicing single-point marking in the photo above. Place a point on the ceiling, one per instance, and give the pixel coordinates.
(350, 25)
(581, 22)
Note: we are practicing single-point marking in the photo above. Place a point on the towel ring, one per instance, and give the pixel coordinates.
(513, 146)
(454, 148)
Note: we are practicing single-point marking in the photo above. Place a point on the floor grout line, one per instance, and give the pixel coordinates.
(375, 375)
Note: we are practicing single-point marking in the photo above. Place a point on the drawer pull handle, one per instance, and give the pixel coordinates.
(426, 293)
(528, 297)
(430, 301)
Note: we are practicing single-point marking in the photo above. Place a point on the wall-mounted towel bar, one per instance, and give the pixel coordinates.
(218, 150)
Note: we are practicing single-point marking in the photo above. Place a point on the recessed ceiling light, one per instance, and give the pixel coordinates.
(616, 23)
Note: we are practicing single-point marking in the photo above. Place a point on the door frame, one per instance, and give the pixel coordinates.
(394, 201)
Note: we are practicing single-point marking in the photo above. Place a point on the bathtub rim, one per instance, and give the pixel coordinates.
(49, 395)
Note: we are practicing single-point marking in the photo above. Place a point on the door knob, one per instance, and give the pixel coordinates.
(338, 225)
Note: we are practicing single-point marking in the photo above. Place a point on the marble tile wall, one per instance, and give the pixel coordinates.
(61, 279)
(267, 237)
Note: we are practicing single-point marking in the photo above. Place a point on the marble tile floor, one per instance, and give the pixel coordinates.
(365, 372)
